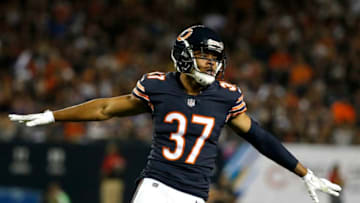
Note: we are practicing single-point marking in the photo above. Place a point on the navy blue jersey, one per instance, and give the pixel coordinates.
(186, 129)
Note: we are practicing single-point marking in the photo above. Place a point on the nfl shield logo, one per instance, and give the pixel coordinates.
(191, 102)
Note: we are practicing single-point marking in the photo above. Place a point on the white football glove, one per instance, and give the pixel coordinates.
(314, 183)
(32, 120)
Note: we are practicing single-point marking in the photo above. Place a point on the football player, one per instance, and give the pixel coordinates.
(189, 108)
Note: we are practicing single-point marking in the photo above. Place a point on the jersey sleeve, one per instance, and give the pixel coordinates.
(238, 105)
(147, 86)
(140, 92)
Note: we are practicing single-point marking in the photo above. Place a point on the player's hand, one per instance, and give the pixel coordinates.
(314, 183)
(31, 120)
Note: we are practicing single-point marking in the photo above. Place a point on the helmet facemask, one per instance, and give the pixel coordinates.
(204, 78)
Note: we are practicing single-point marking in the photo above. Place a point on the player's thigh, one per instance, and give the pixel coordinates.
(148, 191)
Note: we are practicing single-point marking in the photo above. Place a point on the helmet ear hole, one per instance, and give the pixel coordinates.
(185, 55)
(182, 59)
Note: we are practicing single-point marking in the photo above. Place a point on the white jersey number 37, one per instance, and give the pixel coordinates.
(178, 136)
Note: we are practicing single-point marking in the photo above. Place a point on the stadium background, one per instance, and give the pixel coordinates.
(297, 63)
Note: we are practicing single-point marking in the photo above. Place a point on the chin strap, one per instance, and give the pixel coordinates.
(202, 78)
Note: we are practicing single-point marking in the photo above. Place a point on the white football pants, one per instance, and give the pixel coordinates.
(150, 190)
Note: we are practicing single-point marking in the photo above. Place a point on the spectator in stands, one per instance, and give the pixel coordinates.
(112, 171)
(56, 50)
(336, 177)
(56, 194)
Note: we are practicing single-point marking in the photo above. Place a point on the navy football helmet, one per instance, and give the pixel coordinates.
(198, 38)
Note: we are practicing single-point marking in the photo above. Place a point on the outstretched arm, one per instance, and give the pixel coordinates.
(266, 143)
(94, 110)
(102, 109)
(272, 148)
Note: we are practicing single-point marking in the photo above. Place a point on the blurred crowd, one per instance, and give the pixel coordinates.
(297, 62)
